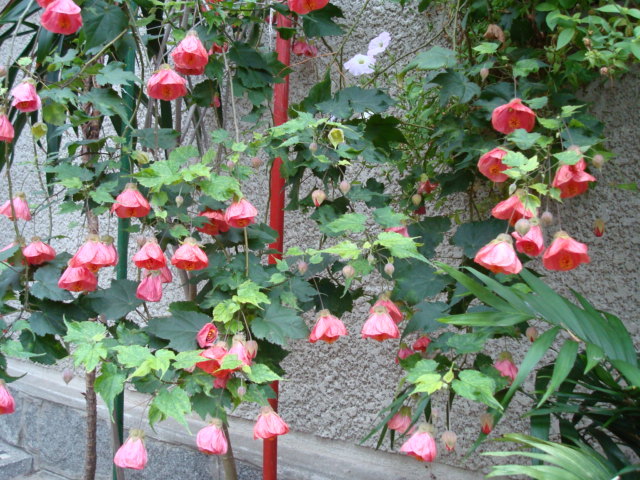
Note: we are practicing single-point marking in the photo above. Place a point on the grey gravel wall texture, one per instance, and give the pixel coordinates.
(335, 391)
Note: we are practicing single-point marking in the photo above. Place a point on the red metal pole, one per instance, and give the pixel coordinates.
(276, 220)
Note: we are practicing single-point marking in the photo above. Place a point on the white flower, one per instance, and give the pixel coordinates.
(360, 64)
(379, 44)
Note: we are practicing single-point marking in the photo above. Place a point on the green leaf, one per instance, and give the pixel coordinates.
(525, 66)
(434, 59)
(569, 157)
(260, 373)
(224, 311)
(399, 246)
(387, 218)
(468, 342)
(455, 84)
(102, 22)
(114, 74)
(279, 323)
(476, 386)
(55, 114)
(249, 292)
(429, 233)
(562, 367)
(319, 23)
(354, 100)
(166, 172)
(424, 319)
(421, 368)
(221, 188)
(416, 281)
(85, 332)
(180, 328)
(349, 222)
(566, 35)
(116, 301)
(428, 383)
(472, 236)
(187, 359)
(157, 138)
(110, 384)
(346, 250)
(487, 47)
(132, 356)
(523, 139)
(172, 403)
(46, 284)
(107, 101)
(594, 356)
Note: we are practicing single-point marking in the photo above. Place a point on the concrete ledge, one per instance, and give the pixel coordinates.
(301, 456)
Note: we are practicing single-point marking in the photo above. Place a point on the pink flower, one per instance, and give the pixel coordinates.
(166, 84)
(211, 439)
(190, 256)
(78, 279)
(131, 203)
(150, 288)
(403, 353)
(506, 367)
(20, 206)
(6, 129)
(7, 403)
(92, 254)
(44, 3)
(214, 356)
(150, 256)
(486, 423)
(38, 252)
(421, 344)
(380, 325)
(328, 328)
(269, 424)
(491, 166)
(240, 214)
(302, 7)
(421, 445)
(499, 256)
(216, 223)
(532, 243)
(190, 56)
(318, 196)
(511, 116)
(511, 209)
(401, 421)
(25, 97)
(239, 349)
(132, 454)
(391, 307)
(303, 48)
(207, 335)
(402, 230)
(360, 65)
(449, 440)
(427, 187)
(572, 180)
(252, 348)
(62, 16)
(109, 251)
(565, 253)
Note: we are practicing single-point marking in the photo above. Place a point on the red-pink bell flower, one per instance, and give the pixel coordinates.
(506, 367)
(328, 328)
(486, 423)
(6, 129)
(269, 424)
(302, 7)
(44, 3)
(62, 16)
(92, 254)
(190, 256)
(25, 97)
(532, 243)
(216, 223)
(150, 256)
(421, 445)
(449, 440)
(7, 403)
(392, 308)
(499, 256)
(239, 349)
(512, 209)
(78, 279)
(252, 348)
(304, 49)
(166, 84)
(132, 454)
(207, 335)
(38, 252)
(401, 421)
(511, 116)
(215, 48)
(491, 166)
(380, 326)
(190, 56)
(211, 439)
(402, 230)
(565, 253)
(214, 356)
(240, 214)
(426, 187)
(20, 207)
(109, 251)
(318, 196)
(404, 352)
(421, 344)
(572, 180)
(150, 287)
(131, 203)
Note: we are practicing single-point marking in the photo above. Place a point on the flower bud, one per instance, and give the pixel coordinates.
(141, 240)
(179, 201)
(598, 160)
(140, 157)
(336, 137)
(532, 334)
(546, 219)
(242, 391)
(389, 269)
(604, 71)
(587, 42)
(416, 199)
(252, 348)
(484, 73)
(598, 227)
(449, 440)
(486, 423)
(39, 130)
(523, 226)
(348, 271)
(302, 267)
(67, 375)
(344, 187)
(313, 147)
(256, 162)
(318, 196)
(231, 164)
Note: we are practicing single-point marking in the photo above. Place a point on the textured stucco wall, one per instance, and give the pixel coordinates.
(335, 391)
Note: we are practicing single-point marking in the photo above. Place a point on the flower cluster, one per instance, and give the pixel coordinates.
(363, 64)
